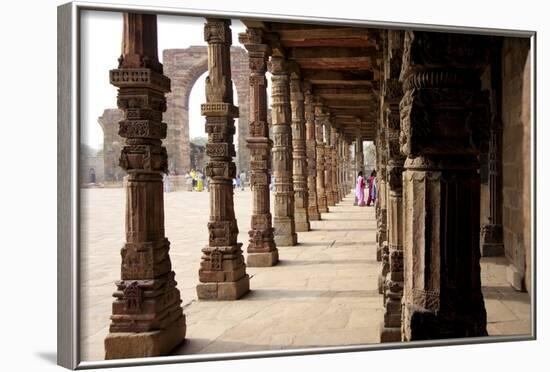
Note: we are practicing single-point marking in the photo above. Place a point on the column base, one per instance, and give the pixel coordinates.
(492, 250)
(314, 216)
(224, 291)
(145, 344)
(263, 259)
(286, 240)
(302, 226)
(390, 334)
(323, 210)
(515, 278)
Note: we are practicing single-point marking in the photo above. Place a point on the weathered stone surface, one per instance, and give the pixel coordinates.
(222, 271)
(145, 344)
(262, 259)
(261, 242)
(283, 219)
(441, 186)
(146, 299)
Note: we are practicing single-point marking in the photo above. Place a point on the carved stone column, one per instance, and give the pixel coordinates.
(313, 209)
(261, 248)
(381, 202)
(222, 272)
(283, 221)
(335, 166)
(147, 318)
(329, 158)
(359, 159)
(442, 114)
(392, 94)
(492, 239)
(299, 156)
(321, 163)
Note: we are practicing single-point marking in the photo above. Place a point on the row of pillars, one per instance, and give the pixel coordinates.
(310, 163)
(434, 123)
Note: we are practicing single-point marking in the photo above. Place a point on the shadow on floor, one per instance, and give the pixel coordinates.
(325, 262)
(274, 294)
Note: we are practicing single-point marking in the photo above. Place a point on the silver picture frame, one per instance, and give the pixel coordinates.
(68, 194)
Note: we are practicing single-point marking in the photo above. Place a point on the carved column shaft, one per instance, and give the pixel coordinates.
(313, 209)
(283, 221)
(261, 248)
(299, 155)
(359, 160)
(335, 165)
(442, 118)
(329, 159)
(222, 272)
(321, 161)
(147, 301)
(392, 94)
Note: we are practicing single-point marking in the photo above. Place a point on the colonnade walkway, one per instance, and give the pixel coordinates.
(323, 292)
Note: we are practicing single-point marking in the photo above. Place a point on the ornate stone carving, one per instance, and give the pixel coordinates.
(261, 248)
(283, 219)
(442, 295)
(321, 160)
(299, 155)
(313, 209)
(222, 272)
(146, 299)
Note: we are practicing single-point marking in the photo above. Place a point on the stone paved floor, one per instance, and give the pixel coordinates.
(323, 292)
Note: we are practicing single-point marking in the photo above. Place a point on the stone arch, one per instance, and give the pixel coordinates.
(184, 67)
(112, 144)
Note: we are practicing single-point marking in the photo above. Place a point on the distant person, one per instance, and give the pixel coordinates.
(360, 190)
(272, 183)
(234, 183)
(166, 182)
(238, 181)
(92, 175)
(372, 188)
(200, 179)
(243, 179)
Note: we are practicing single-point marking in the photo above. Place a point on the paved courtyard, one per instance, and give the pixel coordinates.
(323, 292)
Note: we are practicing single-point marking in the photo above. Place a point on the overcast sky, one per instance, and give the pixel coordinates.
(100, 47)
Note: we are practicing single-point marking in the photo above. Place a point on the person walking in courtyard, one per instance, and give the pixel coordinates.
(372, 188)
(360, 190)
(200, 179)
(243, 180)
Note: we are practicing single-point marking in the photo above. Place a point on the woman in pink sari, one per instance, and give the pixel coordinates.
(360, 190)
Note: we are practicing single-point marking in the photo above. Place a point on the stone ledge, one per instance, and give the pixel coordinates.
(145, 344)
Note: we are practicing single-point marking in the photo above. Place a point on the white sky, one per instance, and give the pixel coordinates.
(101, 34)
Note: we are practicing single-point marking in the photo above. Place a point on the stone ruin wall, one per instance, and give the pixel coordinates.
(516, 157)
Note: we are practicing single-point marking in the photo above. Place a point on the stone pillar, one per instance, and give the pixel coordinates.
(335, 165)
(442, 114)
(329, 158)
(359, 160)
(283, 221)
(381, 201)
(147, 318)
(492, 239)
(313, 209)
(392, 94)
(261, 248)
(321, 162)
(299, 156)
(222, 272)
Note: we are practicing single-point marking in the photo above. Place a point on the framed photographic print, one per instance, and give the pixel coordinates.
(237, 185)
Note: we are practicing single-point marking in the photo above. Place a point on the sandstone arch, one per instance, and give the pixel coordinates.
(184, 67)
